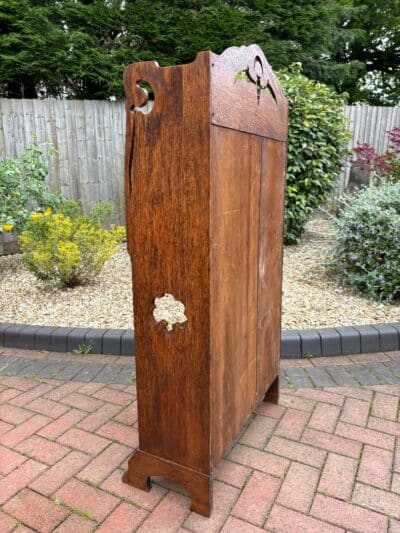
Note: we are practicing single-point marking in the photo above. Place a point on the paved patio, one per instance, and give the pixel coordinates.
(324, 460)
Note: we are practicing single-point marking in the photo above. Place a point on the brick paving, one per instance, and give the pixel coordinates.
(326, 459)
(354, 370)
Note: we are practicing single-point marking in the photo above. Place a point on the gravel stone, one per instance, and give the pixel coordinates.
(312, 297)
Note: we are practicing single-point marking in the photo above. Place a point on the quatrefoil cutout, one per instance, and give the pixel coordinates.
(168, 309)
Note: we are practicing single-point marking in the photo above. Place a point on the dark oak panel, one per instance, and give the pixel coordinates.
(235, 192)
(270, 263)
(169, 245)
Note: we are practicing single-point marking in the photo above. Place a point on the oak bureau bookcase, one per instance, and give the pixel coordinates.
(204, 184)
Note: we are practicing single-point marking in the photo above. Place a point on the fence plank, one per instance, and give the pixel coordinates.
(89, 139)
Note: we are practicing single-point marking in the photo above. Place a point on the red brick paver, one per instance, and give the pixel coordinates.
(232, 473)
(386, 426)
(7, 523)
(338, 476)
(320, 461)
(347, 515)
(83, 498)
(32, 394)
(259, 460)
(257, 498)
(292, 424)
(324, 417)
(76, 524)
(168, 515)
(124, 519)
(35, 511)
(81, 401)
(148, 500)
(62, 424)
(299, 487)
(9, 460)
(288, 521)
(42, 449)
(333, 443)
(83, 441)
(99, 417)
(377, 500)
(258, 432)
(296, 451)
(355, 412)
(385, 406)
(225, 498)
(120, 433)
(376, 467)
(105, 463)
(60, 473)
(365, 435)
(47, 407)
(13, 414)
(234, 525)
(24, 430)
(19, 478)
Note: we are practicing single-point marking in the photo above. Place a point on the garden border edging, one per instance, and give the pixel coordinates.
(300, 343)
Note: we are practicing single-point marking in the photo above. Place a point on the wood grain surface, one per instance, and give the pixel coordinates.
(270, 256)
(204, 182)
(235, 192)
(168, 236)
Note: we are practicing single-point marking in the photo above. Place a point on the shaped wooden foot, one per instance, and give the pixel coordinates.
(272, 394)
(142, 466)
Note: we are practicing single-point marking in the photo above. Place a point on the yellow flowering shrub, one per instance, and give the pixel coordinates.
(35, 216)
(69, 247)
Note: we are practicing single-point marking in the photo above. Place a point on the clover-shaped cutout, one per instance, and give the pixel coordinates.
(169, 310)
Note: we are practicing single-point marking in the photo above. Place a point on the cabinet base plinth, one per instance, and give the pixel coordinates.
(272, 394)
(142, 466)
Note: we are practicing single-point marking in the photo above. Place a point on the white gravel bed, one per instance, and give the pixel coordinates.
(311, 295)
(105, 304)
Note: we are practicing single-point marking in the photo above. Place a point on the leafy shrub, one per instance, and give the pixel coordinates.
(23, 191)
(381, 167)
(69, 247)
(368, 249)
(317, 144)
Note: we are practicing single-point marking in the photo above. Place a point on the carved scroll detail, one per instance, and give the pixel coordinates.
(252, 60)
(137, 99)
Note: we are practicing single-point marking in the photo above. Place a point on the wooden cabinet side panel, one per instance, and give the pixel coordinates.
(235, 178)
(168, 213)
(270, 263)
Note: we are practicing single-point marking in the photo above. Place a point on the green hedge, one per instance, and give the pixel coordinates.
(317, 144)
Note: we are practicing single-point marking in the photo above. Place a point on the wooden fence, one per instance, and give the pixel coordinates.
(89, 138)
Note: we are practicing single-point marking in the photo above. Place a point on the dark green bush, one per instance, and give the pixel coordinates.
(368, 250)
(317, 144)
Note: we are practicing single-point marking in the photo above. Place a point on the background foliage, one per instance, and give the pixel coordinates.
(380, 167)
(317, 143)
(374, 27)
(368, 251)
(68, 247)
(79, 48)
(23, 190)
